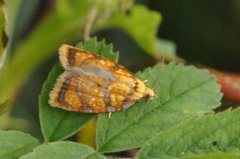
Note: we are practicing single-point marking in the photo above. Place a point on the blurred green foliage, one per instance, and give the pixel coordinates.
(2, 32)
(144, 35)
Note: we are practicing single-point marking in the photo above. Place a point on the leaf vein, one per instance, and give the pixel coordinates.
(163, 104)
(18, 149)
(58, 124)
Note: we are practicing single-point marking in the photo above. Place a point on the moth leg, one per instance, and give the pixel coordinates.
(145, 81)
(109, 115)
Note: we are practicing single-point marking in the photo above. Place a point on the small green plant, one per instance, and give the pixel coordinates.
(178, 123)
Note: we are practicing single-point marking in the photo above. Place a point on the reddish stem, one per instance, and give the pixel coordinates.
(230, 84)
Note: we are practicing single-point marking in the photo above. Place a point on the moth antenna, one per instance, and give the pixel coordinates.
(158, 75)
(152, 87)
(109, 115)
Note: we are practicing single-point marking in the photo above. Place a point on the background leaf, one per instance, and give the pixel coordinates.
(11, 9)
(63, 150)
(4, 107)
(14, 144)
(166, 50)
(2, 31)
(203, 134)
(21, 14)
(181, 93)
(132, 24)
(58, 124)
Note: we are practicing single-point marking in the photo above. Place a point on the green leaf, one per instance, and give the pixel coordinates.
(141, 24)
(181, 93)
(100, 48)
(216, 155)
(58, 124)
(63, 150)
(203, 134)
(13, 144)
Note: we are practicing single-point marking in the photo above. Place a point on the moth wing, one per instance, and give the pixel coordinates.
(78, 92)
(126, 90)
(74, 57)
(112, 94)
(65, 93)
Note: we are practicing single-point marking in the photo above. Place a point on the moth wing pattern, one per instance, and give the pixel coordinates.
(74, 57)
(93, 84)
(75, 92)
(65, 94)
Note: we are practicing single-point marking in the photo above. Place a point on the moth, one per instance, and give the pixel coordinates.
(94, 84)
